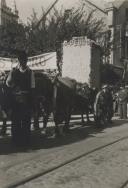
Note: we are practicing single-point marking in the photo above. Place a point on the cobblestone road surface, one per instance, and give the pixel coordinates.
(105, 168)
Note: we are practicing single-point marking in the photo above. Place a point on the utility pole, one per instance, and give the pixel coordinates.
(44, 15)
(95, 6)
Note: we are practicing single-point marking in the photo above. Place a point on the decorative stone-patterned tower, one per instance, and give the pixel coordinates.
(8, 15)
(14, 8)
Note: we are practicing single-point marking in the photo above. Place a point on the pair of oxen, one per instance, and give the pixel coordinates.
(60, 96)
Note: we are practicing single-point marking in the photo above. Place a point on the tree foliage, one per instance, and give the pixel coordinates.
(58, 26)
(63, 25)
(12, 38)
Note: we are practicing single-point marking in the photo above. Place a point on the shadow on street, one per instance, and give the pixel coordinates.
(78, 132)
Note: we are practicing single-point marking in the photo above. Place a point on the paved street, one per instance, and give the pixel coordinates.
(60, 58)
(103, 160)
(103, 169)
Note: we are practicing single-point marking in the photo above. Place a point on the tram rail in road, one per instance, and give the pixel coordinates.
(125, 185)
(67, 162)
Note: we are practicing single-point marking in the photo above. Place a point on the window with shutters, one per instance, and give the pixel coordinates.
(118, 40)
(126, 14)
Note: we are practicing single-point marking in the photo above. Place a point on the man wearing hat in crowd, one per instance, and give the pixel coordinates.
(122, 100)
(100, 109)
(3, 114)
(109, 103)
(22, 81)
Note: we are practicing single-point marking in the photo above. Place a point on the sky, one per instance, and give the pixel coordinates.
(25, 6)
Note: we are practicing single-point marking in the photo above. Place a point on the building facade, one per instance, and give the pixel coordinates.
(117, 21)
(115, 14)
(7, 14)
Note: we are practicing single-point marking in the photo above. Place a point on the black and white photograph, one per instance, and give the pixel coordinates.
(63, 93)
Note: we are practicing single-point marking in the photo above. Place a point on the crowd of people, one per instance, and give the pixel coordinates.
(110, 102)
(21, 82)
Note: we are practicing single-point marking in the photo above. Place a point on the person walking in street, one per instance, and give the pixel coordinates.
(123, 98)
(22, 82)
(109, 104)
(100, 106)
(3, 104)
